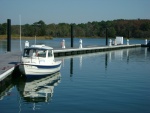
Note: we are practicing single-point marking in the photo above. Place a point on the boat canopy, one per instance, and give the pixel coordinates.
(38, 51)
(40, 47)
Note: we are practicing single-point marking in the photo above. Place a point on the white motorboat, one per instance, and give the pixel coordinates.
(38, 60)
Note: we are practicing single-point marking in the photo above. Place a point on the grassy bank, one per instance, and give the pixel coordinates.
(3, 37)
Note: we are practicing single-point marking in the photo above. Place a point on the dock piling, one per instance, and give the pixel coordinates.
(106, 37)
(8, 35)
(127, 41)
(110, 42)
(71, 35)
(80, 43)
(63, 44)
(145, 41)
(26, 44)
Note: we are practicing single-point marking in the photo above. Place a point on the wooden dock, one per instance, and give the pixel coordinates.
(7, 63)
(75, 51)
(9, 60)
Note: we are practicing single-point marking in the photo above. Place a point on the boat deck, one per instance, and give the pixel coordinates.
(9, 60)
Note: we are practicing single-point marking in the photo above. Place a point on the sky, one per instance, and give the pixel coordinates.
(72, 11)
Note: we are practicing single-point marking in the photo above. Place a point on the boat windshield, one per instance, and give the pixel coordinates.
(50, 54)
(34, 53)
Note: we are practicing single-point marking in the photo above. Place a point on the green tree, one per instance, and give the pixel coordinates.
(3, 29)
(111, 32)
(40, 28)
(28, 30)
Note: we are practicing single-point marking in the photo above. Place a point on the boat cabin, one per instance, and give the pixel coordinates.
(41, 53)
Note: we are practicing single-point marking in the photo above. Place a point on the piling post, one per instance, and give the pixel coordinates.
(26, 44)
(8, 35)
(145, 41)
(63, 44)
(80, 43)
(110, 42)
(127, 41)
(71, 35)
(106, 36)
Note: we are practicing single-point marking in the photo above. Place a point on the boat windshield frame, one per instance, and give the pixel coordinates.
(37, 52)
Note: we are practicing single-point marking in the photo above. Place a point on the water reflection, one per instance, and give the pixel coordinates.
(106, 57)
(71, 67)
(109, 56)
(148, 49)
(146, 52)
(5, 87)
(38, 90)
(80, 64)
(101, 74)
(106, 60)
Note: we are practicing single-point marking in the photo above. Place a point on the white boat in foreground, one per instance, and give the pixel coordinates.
(39, 60)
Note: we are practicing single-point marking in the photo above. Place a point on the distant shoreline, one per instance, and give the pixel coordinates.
(16, 37)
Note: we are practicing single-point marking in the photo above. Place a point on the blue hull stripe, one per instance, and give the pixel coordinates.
(45, 67)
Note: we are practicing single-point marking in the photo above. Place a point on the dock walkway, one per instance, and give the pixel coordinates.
(7, 63)
(75, 51)
(9, 60)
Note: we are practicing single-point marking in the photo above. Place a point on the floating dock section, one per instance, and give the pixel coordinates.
(75, 51)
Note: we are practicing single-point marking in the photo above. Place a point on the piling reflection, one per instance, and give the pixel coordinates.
(71, 67)
(146, 52)
(39, 89)
(118, 54)
(80, 60)
(106, 60)
(148, 49)
(109, 57)
(127, 56)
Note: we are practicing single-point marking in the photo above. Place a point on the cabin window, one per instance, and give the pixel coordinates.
(50, 53)
(41, 53)
(34, 53)
(29, 52)
(26, 53)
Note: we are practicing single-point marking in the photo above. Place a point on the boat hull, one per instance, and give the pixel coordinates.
(37, 70)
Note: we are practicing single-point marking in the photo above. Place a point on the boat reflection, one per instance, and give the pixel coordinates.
(39, 89)
(71, 67)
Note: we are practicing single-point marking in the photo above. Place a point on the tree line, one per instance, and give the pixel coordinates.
(139, 28)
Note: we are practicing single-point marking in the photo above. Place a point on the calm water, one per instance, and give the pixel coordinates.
(107, 82)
